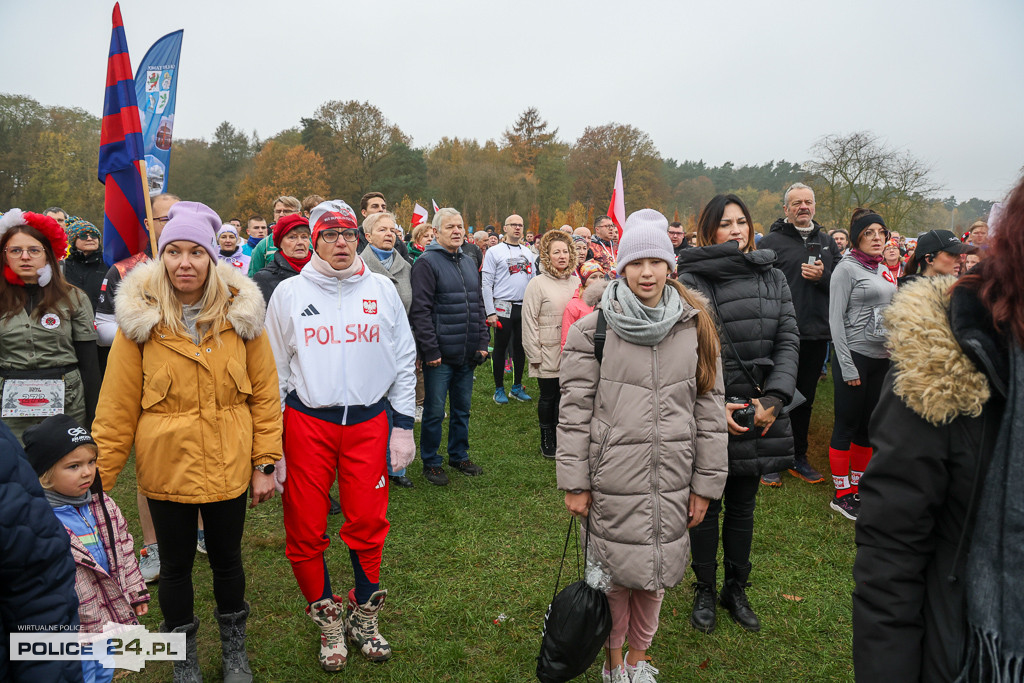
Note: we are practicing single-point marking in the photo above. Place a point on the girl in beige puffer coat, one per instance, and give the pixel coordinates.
(642, 439)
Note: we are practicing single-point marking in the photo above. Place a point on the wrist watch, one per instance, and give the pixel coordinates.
(265, 469)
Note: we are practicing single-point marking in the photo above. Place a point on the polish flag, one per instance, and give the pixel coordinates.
(617, 206)
(436, 207)
(419, 215)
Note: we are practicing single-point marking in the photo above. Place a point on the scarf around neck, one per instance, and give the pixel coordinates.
(385, 257)
(326, 269)
(57, 500)
(297, 264)
(253, 241)
(636, 323)
(995, 592)
(869, 262)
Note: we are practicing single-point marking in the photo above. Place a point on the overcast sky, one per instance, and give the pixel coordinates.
(741, 81)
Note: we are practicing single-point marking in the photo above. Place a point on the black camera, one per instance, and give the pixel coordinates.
(744, 417)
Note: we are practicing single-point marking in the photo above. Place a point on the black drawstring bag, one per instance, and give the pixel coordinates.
(576, 626)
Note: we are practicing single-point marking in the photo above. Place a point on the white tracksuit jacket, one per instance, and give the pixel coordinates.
(341, 343)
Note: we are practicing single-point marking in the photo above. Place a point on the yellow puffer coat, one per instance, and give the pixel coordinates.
(200, 417)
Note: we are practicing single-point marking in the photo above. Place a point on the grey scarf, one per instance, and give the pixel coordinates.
(995, 592)
(636, 323)
(57, 500)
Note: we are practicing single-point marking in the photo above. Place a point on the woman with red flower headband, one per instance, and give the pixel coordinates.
(48, 359)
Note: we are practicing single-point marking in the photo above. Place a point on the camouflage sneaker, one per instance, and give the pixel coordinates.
(328, 614)
(361, 626)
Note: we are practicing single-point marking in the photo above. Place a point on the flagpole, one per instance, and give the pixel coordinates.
(150, 224)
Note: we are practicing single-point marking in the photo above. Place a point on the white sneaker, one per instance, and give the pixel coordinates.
(149, 562)
(419, 413)
(619, 675)
(643, 672)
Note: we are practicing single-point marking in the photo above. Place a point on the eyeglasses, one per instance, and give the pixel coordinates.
(16, 252)
(162, 219)
(513, 225)
(331, 236)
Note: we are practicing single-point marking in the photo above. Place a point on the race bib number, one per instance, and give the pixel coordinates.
(33, 397)
(503, 309)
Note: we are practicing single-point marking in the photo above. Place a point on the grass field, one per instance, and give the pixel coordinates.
(459, 556)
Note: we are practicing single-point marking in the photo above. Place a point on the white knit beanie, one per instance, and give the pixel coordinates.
(645, 235)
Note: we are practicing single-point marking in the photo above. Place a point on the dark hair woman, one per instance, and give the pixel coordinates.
(48, 359)
(760, 354)
(192, 385)
(938, 593)
(860, 289)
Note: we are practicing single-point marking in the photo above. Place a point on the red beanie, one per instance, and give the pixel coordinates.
(289, 222)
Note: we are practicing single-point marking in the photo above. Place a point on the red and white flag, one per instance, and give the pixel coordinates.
(617, 206)
(419, 215)
(436, 207)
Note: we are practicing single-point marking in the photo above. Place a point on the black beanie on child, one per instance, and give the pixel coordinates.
(53, 438)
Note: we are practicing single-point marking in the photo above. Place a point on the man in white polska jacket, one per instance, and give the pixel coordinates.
(343, 349)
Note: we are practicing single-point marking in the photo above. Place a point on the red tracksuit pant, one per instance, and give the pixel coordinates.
(316, 452)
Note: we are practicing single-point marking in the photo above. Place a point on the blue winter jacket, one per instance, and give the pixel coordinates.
(37, 573)
(447, 313)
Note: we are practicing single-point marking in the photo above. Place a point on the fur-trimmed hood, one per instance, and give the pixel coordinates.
(591, 295)
(543, 253)
(934, 376)
(138, 314)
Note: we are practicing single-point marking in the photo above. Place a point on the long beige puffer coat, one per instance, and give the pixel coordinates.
(633, 431)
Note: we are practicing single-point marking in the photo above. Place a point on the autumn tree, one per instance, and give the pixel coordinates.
(278, 170)
(352, 138)
(527, 138)
(592, 160)
(859, 169)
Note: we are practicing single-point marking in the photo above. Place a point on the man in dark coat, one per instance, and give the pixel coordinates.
(37, 572)
(806, 255)
(447, 318)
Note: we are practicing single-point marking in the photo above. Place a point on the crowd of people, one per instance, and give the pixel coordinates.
(677, 375)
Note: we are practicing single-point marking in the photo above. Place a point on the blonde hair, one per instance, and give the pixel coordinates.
(708, 345)
(371, 221)
(418, 231)
(213, 304)
(46, 478)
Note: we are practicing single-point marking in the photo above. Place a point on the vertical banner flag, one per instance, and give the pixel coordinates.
(124, 204)
(436, 207)
(156, 85)
(617, 206)
(419, 215)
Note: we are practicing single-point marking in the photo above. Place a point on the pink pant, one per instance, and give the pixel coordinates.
(634, 615)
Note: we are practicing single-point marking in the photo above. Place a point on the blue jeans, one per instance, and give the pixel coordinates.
(454, 382)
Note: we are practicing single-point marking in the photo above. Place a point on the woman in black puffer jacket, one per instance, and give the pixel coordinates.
(756, 320)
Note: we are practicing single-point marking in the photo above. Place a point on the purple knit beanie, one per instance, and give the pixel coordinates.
(191, 222)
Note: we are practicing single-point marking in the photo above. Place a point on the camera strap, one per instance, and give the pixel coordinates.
(725, 333)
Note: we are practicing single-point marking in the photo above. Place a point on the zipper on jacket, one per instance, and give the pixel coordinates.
(456, 258)
(655, 461)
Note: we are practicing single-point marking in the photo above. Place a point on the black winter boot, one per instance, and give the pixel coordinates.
(734, 596)
(548, 444)
(187, 670)
(235, 660)
(703, 616)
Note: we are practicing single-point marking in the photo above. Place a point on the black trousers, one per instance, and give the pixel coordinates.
(509, 334)
(854, 405)
(547, 404)
(176, 526)
(812, 357)
(739, 499)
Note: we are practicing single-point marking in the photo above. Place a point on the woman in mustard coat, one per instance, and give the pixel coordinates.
(191, 345)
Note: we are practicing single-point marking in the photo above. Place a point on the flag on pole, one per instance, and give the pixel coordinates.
(436, 207)
(419, 215)
(617, 206)
(156, 87)
(121, 146)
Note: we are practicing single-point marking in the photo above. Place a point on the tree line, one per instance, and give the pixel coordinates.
(344, 149)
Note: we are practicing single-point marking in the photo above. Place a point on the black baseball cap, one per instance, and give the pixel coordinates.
(941, 240)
